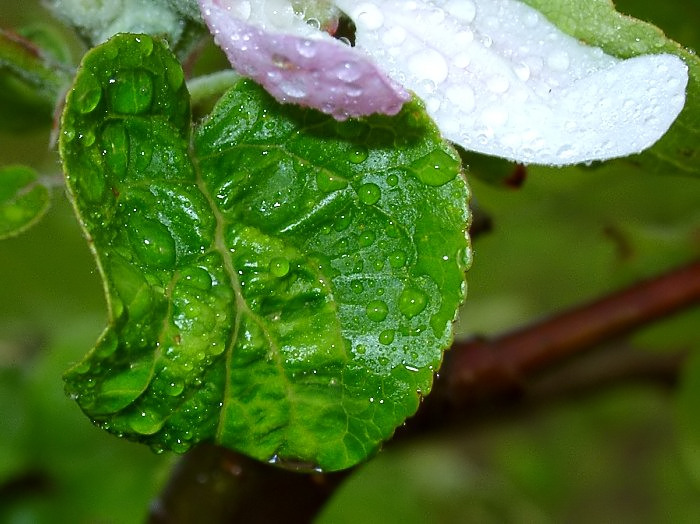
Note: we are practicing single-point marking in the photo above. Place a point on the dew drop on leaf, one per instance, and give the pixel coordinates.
(90, 94)
(152, 242)
(437, 168)
(328, 182)
(377, 310)
(131, 92)
(367, 239)
(146, 423)
(358, 154)
(412, 302)
(279, 267)
(386, 337)
(369, 193)
(397, 259)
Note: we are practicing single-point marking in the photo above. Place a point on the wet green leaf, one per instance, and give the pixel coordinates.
(278, 282)
(597, 23)
(23, 200)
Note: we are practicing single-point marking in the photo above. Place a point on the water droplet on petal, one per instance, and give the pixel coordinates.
(428, 64)
(306, 48)
(558, 60)
(464, 10)
(369, 193)
(412, 302)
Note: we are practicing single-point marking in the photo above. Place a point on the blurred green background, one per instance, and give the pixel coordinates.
(629, 453)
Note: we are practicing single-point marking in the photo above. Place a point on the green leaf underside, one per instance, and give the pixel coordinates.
(597, 23)
(23, 200)
(278, 282)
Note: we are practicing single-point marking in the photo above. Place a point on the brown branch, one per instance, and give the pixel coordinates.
(480, 367)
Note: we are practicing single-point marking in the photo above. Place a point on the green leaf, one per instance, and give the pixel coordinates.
(23, 200)
(597, 23)
(278, 282)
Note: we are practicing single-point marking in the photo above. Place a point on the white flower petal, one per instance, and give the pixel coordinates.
(498, 78)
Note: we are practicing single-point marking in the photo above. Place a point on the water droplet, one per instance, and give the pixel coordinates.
(131, 92)
(279, 267)
(377, 310)
(293, 88)
(146, 423)
(358, 154)
(498, 84)
(392, 180)
(107, 345)
(428, 64)
(558, 60)
(357, 286)
(175, 387)
(522, 70)
(386, 337)
(397, 259)
(394, 36)
(464, 10)
(360, 349)
(343, 221)
(368, 16)
(329, 182)
(143, 152)
(566, 152)
(197, 278)
(436, 168)
(115, 144)
(412, 301)
(369, 193)
(176, 76)
(152, 242)
(88, 93)
(367, 239)
(306, 48)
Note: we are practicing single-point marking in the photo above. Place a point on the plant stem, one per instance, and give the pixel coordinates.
(214, 84)
(479, 367)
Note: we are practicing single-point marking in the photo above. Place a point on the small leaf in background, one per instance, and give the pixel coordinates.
(23, 200)
(278, 282)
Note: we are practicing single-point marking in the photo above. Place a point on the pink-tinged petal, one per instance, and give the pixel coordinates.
(313, 70)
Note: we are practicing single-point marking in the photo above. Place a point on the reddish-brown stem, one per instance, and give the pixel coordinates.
(480, 366)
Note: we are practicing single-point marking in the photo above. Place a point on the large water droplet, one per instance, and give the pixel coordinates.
(377, 310)
(343, 221)
(397, 259)
(131, 92)
(88, 93)
(386, 337)
(558, 60)
(428, 64)
(436, 168)
(358, 154)
(412, 302)
(152, 242)
(146, 423)
(392, 180)
(464, 10)
(279, 267)
(329, 182)
(115, 144)
(368, 16)
(306, 48)
(197, 278)
(369, 193)
(366, 239)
